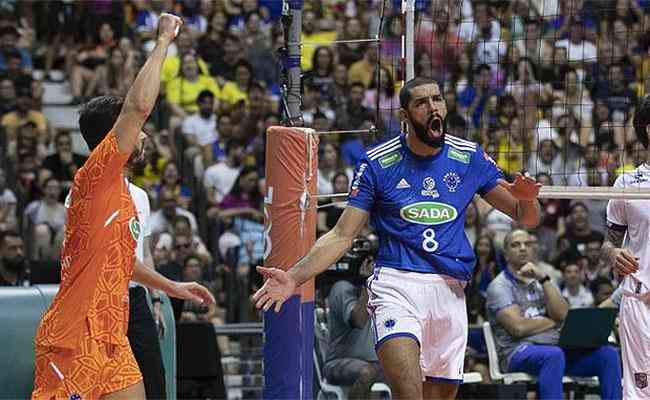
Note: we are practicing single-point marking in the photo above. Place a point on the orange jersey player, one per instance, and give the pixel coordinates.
(82, 351)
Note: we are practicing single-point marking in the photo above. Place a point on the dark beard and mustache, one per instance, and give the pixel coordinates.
(137, 160)
(435, 123)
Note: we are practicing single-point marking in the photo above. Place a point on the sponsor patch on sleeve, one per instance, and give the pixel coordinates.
(458, 155)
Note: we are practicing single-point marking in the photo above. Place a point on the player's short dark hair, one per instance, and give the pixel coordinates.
(642, 120)
(204, 94)
(97, 117)
(407, 89)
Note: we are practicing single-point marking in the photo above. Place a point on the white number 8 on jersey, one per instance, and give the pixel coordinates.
(429, 243)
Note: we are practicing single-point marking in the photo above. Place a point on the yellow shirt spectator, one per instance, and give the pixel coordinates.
(172, 66)
(13, 120)
(183, 92)
(511, 155)
(324, 38)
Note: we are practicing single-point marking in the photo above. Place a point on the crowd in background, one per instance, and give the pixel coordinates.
(544, 86)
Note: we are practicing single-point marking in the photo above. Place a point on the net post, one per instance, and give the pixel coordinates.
(409, 39)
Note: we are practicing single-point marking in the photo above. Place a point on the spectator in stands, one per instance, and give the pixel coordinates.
(602, 289)
(193, 272)
(23, 114)
(232, 54)
(9, 36)
(181, 250)
(350, 358)
(388, 101)
(172, 67)
(146, 19)
(579, 50)
(312, 32)
(182, 226)
(353, 113)
(220, 177)
(85, 62)
(487, 265)
(361, 71)
(46, 222)
(322, 72)
(171, 180)
(116, 75)
(64, 163)
(200, 131)
(7, 96)
(244, 199)
(543, 266)
(183, 91)
(574, 290)
(594, 265)
(13, 265)
(473, 225)
(349, 53)
(578, 233)
(329, 216)
(616, 92)
(329, 165)
(161, 220)
(525, 310)
(8, 205)
(237, 90)
(474, 97)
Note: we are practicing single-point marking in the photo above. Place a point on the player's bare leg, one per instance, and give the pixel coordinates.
(132, 392)
(439, 390)
(400, 360)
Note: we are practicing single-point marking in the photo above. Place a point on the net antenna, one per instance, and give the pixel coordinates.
(408, 39)
(289, 54)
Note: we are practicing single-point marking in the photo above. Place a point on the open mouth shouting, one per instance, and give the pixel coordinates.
(434, 127)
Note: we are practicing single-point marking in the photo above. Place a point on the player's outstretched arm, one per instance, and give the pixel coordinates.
(621, 259)
(280, 284)
(143, 94)
(518, 200)
(182, 290)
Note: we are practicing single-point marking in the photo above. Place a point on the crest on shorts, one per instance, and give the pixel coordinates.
(135, 228)
(390, 323)
(75, 396)
(641, 380)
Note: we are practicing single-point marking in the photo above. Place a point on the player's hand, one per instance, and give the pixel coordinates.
(277, 288)
(191, 291)
(624, 262)
(168, 26)
(523, 188)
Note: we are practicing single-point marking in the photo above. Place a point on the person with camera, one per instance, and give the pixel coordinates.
(351, 359)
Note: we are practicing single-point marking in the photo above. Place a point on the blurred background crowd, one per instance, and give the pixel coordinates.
(546, 86)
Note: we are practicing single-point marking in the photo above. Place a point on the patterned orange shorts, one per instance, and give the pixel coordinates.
(88, 372)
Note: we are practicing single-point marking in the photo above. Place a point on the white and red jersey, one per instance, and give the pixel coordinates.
(635, 215)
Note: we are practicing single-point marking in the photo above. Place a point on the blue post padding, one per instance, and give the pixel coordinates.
(295, 4)
(291, 61)
(282, 351)
(308, 350)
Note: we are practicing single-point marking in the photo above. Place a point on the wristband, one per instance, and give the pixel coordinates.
(544, 280)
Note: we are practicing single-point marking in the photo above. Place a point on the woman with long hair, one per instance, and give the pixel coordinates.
(245, 197)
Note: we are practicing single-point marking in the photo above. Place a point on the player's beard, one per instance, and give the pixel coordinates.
(432, 134)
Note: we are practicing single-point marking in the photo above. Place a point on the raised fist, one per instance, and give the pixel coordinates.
(168, 26)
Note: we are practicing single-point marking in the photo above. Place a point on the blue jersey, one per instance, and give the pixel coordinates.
(417, 204)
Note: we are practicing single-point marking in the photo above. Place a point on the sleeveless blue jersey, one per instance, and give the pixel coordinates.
(417, 204)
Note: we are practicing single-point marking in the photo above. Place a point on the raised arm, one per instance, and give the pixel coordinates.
(518, 200)
(143, 94)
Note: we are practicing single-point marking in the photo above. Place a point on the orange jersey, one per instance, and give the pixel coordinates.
(97, 256)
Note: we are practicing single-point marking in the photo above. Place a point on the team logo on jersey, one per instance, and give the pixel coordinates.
(428, 213)
(354, 189)
(452, 180)
(390, 159)
(134, 227)
(458, 155)
(429, 186)
(403, 184)
(641, 380)
(638, 177)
